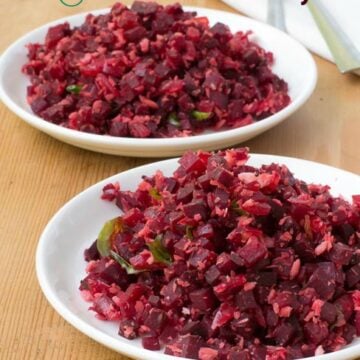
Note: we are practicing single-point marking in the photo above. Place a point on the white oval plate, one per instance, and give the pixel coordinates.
(59, 258)
(292, 62)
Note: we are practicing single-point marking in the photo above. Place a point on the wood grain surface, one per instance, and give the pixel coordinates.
(39, 174)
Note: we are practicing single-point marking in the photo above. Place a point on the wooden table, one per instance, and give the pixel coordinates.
(39, 174)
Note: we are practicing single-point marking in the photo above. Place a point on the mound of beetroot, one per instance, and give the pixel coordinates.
(226, 261)
(151, 71)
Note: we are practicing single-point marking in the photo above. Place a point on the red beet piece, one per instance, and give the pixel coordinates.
(283, 333)
(151, 343)
(253, 251)
(212, 274)
(316, 333)
(187, 346)
(156, 320)
(353, 276)
(323, 280)
(92, 252)
(203, 299)
(222, 316)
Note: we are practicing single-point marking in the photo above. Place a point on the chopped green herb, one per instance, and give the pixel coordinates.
(159, 252)
(103, 241)
(189, 233)
(124, 264)
(173, 120)
(74, 89)
(200, 116)
(235, 207)
(154, 193)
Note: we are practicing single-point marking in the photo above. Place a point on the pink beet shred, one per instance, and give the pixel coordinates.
(151, 71)
(240, 282)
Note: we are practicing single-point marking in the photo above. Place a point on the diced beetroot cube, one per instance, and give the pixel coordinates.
(56, 33)
(203, 299)
(256, 208)
(224, 314)
(223, 176)
(143, 261)
(172, 293)
(212, 274)
(340, 254)
(184, 194)
(194, 209)
(224, 263)
(191, 327)
(135, 291)
(168, 335)
(132, 217)
(285, 265)
(170, 184)
(186, 346)
(202, 259)
(205, 243)
(154, 300)
(114, 274)
(245, 300)
(92, 252)
(345, 305)
(104, 306)
(258, 352)
(323, 280)
(284, 299)
(353, 275)
(266, 278)
(283, 333)
(245, 325)
(204, 182)
(349, 333)
(182, 246)
(229, 286)
(205, 230)
(221, 198)
(316, 332)
(237, 259)
(151, 343)
(328, 312)
(272, 319)
(253, 251)
(191, 162)
(144, 8)
(156, 320)
(118, 128)
(128, 329)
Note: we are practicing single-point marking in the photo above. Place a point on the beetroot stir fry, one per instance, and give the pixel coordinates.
(151, 71)
(226, 261)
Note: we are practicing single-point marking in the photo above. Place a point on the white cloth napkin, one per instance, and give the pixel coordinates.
(300, 23)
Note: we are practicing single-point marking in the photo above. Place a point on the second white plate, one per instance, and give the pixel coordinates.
(60, 264)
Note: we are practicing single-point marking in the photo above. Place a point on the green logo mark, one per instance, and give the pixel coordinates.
(65, 2)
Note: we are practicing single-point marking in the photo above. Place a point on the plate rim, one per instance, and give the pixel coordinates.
(149, 143)
(133, 350)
